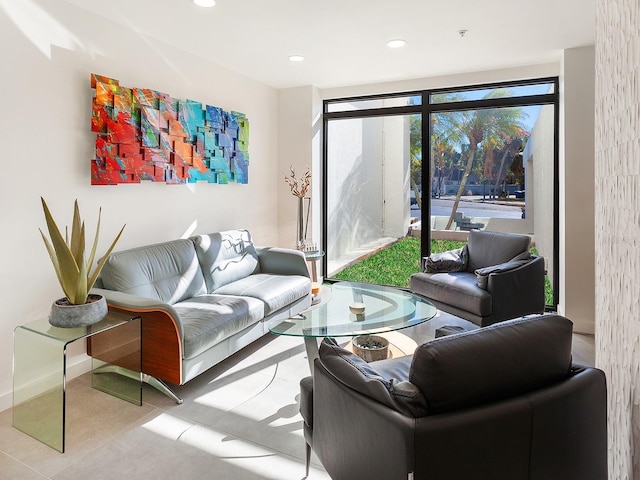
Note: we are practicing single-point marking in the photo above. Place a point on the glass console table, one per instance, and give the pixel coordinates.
(40, 370)
(386, 309)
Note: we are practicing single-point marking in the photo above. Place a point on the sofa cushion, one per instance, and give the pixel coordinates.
(226, 257)
(168, 272)
(449, 261)
(458, 289)
(384, 381)
(209, 319)
(487, 248)
(492, 363)
(276, 291)
(482, 274)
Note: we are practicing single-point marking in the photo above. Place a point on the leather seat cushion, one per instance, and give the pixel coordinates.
(458, 289)
(276, 291)
(209, 319)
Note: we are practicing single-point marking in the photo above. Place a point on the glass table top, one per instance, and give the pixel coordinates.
(68, 335)
(386, 309)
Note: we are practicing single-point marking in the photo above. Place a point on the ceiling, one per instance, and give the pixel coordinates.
(344, 41)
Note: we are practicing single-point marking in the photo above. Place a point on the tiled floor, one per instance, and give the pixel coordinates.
(239, 421)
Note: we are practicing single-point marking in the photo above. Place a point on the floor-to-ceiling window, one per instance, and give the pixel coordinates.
(490, 162)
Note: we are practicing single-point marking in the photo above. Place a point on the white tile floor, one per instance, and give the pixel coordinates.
(239, 420)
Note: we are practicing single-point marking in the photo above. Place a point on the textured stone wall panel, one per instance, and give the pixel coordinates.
(617, 143)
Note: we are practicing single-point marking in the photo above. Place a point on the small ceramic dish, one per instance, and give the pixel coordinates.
(357, 308)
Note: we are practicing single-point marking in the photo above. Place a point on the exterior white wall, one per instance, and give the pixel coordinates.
(355, 187)
(47, 147)
(617, 252)
(577, 249)
(540, 164)
(396, 176)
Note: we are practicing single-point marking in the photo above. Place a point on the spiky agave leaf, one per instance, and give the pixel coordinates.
(67, 269)
(102, 261)
(68, 256)
(76, 245)
(94, 247)
(52, 256)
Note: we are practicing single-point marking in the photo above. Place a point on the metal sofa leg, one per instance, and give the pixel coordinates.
(162, 387)
(148, 379)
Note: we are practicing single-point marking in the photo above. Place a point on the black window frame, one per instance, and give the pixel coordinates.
(426, 108)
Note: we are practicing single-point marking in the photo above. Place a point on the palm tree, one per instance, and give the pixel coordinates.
(513, 146)
(415, 149)
(488, 128)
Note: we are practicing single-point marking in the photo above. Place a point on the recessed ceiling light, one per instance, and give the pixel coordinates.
(296, 58)
(205, 3)
(396, 43)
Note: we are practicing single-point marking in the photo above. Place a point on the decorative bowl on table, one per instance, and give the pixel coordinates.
(370, 347)
(357, 308)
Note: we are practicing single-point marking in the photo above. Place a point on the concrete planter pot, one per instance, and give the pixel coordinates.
(371, 347)
(65, 315)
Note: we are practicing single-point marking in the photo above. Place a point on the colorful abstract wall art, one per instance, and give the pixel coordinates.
(148, 135)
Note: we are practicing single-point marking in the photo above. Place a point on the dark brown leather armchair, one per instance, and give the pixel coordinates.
(502, 402)
(491, 279)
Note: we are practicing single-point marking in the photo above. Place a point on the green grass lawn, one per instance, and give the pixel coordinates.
(395, 264)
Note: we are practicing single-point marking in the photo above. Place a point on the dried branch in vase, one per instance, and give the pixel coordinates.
(299, 187)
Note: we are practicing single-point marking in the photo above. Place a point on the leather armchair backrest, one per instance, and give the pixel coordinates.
(487, 248)
(493, 363)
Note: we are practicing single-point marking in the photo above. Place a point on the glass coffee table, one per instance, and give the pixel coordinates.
(386, 309)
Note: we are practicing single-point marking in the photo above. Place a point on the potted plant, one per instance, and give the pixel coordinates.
(73, 270)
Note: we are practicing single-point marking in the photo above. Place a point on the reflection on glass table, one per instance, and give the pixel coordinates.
(386, 309)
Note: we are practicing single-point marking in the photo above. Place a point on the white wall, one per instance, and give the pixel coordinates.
(577, 273)
(617, 240)
(48, 50)
(471, 78)
(294, 140)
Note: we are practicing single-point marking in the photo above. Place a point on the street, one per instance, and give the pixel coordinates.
(442, 207)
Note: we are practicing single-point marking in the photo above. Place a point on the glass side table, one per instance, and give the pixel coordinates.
(40, 370)
(312, 256)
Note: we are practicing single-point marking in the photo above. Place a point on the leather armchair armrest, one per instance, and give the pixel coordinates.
(375, 441)
(282, 261)
(482, 274)
(518, 290)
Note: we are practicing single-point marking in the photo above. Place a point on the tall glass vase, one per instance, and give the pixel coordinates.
(301, 231)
